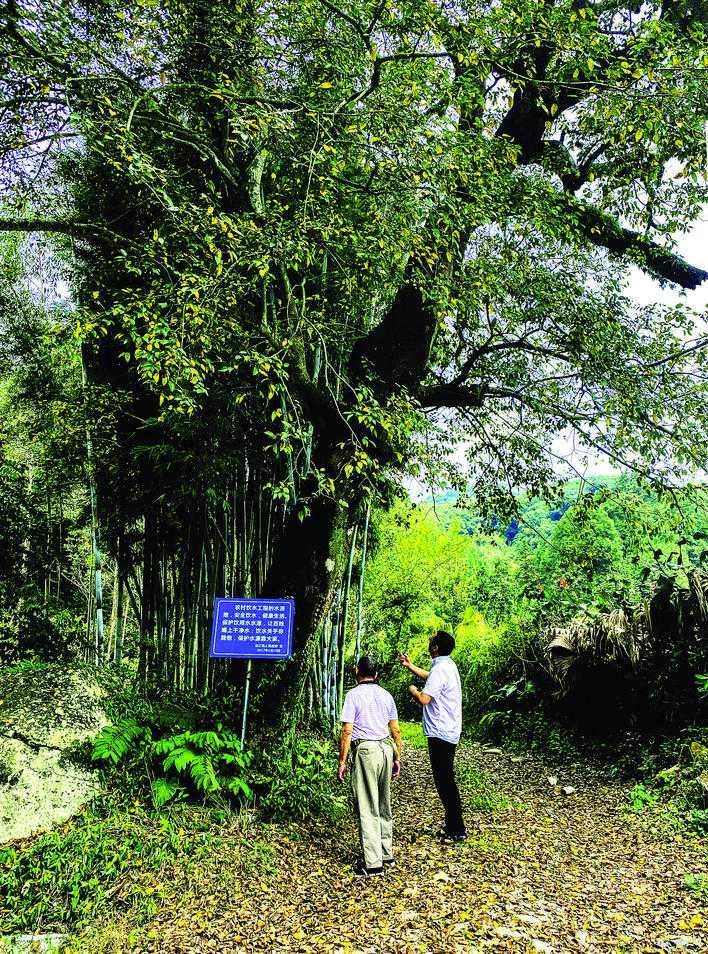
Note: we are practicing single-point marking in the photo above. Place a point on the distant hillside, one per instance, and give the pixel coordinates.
(621, 494)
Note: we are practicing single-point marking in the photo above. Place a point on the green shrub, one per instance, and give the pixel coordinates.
(298, 784)
(640, 797)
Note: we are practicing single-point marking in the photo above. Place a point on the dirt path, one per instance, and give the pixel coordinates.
(544, 872)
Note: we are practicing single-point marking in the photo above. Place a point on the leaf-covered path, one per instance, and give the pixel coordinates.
(543, 872)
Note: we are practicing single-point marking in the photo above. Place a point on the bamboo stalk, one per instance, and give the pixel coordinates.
(360, 603)
(119, 619)
(345, 608)
(98, 587)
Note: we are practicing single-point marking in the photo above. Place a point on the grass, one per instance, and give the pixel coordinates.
(412, 734)
(478, 792)
(108, 854)
(698, 885)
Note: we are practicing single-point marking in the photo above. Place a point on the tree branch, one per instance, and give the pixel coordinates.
(453, 396)
(66, 227)
(606, 232)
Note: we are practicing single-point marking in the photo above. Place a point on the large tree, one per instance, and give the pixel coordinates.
(353, 234)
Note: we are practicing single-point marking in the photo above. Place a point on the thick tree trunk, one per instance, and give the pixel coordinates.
(306, 568)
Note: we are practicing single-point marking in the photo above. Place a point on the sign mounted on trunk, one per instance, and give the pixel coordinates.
(252, 629)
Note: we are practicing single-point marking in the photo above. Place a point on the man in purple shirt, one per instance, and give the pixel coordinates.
(369, 723)
(441, 699)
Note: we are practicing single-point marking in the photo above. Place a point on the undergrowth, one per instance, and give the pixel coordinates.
(110, 853)
(300, 783)
(174, 748)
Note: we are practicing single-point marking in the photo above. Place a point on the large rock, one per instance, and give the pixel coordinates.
(45, 714)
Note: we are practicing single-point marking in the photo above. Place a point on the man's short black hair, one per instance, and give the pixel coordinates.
(367, 667)
(443, 642)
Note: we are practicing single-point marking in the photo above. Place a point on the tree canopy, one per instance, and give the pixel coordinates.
(312, 246)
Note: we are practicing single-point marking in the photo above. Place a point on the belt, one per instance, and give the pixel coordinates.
(357, 742)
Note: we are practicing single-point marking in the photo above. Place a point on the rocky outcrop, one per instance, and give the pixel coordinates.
(45, 715)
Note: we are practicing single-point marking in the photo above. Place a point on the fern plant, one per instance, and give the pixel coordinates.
(206, 763)
(114, 742)
(213, 761)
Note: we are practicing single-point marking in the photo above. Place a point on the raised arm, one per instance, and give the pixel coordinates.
(416, 670)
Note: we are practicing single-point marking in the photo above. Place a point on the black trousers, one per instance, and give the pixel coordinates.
(442, 762)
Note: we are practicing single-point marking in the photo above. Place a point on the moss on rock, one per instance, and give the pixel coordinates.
(46, 713)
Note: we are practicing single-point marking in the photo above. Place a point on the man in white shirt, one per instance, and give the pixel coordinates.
(441, 699)
(369, 725)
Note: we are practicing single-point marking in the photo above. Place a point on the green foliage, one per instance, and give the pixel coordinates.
(27, 630)
(68, 876)
(412, 734)
(582, 568)
(698, 884)
(170, 752)
(696, 820)
(116, 741)
(640, 797)
(499, 588)
(212, 761)
(25, 665)
(427, 571)
(479, 794)
(678, 792)
(300, 783)
(495, 722)
(206, 764)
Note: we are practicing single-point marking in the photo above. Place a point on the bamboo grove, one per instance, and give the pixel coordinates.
(310, 249)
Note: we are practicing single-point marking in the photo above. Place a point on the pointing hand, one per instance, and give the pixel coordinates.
(405, 660)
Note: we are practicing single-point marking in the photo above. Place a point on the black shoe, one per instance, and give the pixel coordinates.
(453, 839)
(361, 871)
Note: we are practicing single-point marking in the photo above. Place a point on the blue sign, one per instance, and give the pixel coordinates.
(252, 629)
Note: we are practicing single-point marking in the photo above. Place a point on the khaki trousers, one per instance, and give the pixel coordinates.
(371, 787)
